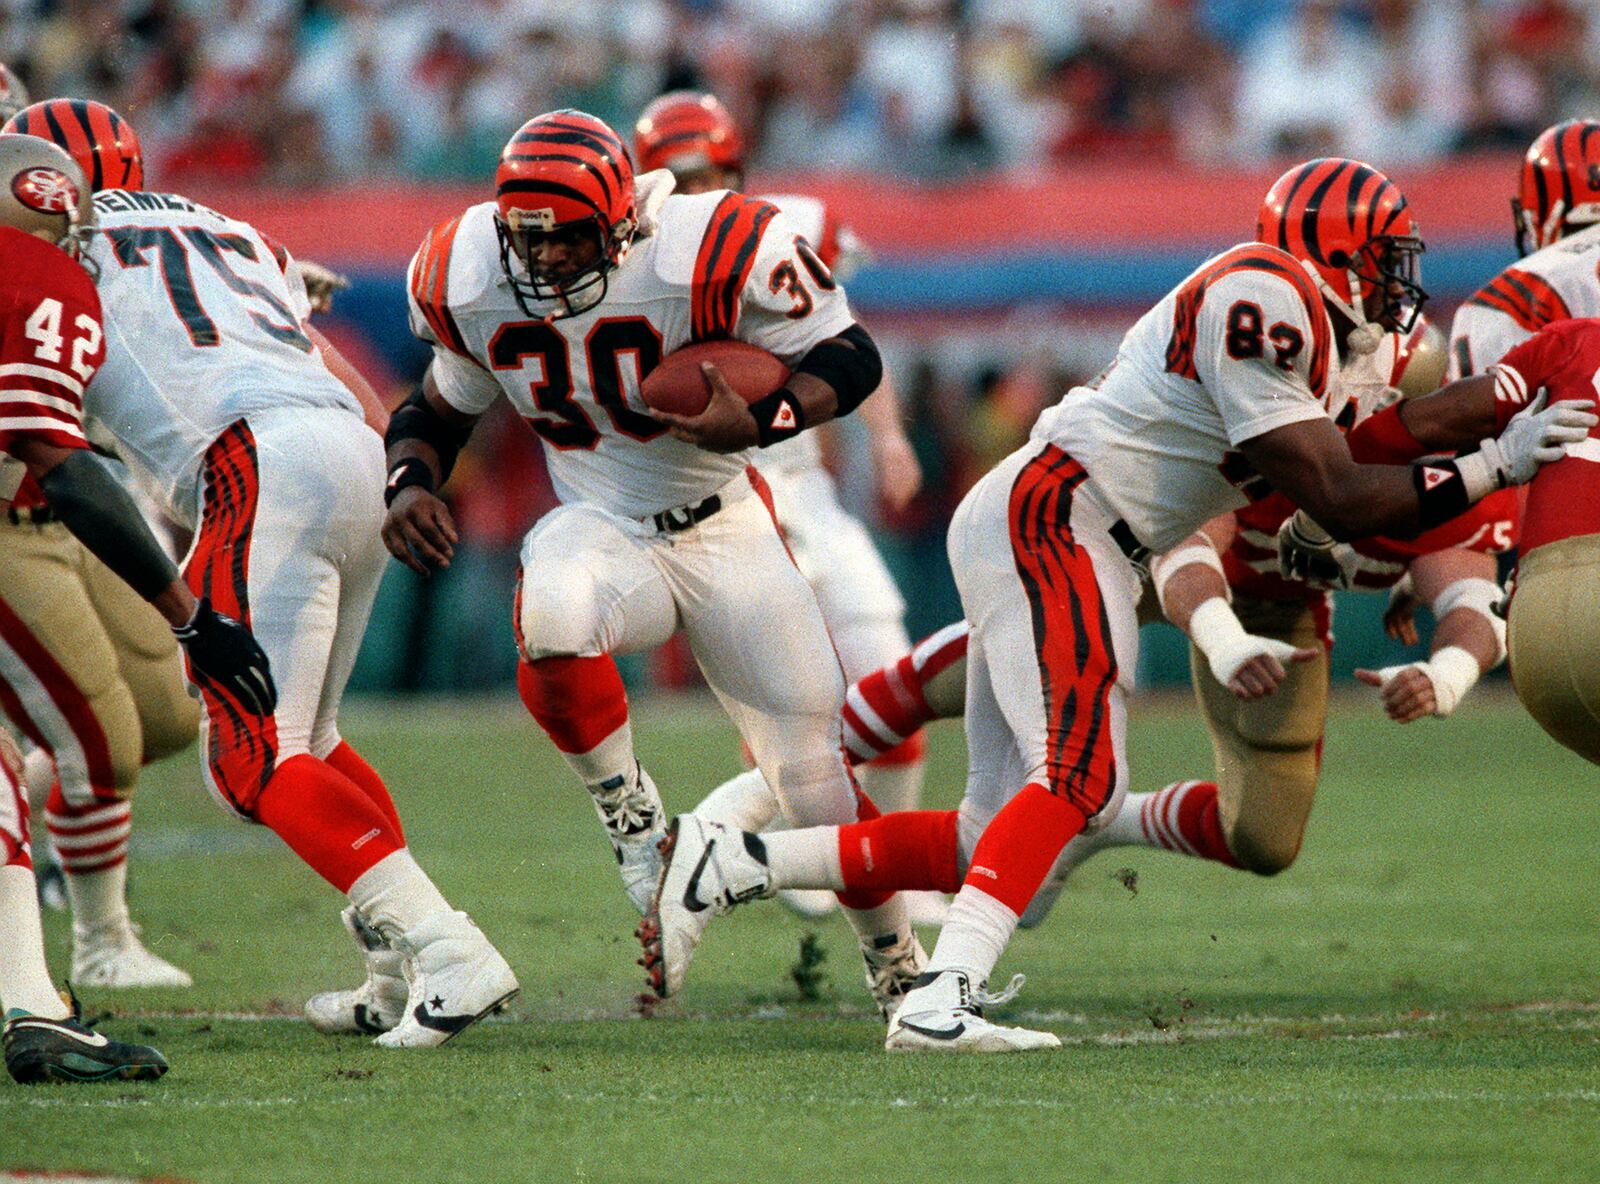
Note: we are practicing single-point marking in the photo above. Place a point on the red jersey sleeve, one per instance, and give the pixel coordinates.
(1563, 357)
(51, 342)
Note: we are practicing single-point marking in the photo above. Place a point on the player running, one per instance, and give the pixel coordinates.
(52, 344)
(1232, 382)
(247, 428)
(693, 135)
(560, 295)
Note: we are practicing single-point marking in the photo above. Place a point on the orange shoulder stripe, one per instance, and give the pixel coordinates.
(430, 287)
(1527, 299)
(727, 253)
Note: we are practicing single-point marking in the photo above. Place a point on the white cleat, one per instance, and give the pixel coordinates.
(378, 1004)
(894, 964)
(115, 957)
(630, 809)
(456, 978)
(944, 1014)
(707, 869)
(1073, 854)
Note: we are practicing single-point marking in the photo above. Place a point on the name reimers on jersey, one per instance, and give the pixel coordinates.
(716, 264)
(1555, 283)
(1243, 346)
(203, 328)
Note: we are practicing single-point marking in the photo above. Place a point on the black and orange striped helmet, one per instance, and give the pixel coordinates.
(1352, 226)
(565, 173)
(100, 140)
(688, 132)
(1560, 185)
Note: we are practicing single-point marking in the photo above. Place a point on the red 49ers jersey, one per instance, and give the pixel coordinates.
(51, 345)
(1564, 498)
(1251, 561)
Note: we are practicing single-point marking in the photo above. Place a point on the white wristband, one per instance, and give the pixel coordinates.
(1170, 564)
(1453, 672)
(1482, 472)
(1215, 628)
(1479, 595)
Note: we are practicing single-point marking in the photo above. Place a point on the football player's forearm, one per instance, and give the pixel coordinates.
(836, 376)
(427, 429)
(1188, 576)
(1454, 417)
(92, 504)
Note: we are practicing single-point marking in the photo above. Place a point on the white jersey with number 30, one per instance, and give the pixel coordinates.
(1241, 347)
(718, 264)
(203, 327)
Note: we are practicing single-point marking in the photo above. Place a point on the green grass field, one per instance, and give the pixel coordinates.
(1417, 999)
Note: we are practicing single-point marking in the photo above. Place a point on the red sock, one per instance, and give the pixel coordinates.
(1017, 848)
(909, 849)
(883, 710)
(1183, 818)
(864, 898)
(354, 766)
(88, 838)
(14, 846)
(577, 701)
(326, 819)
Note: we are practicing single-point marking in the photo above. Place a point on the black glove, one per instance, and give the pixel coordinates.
(223, 652)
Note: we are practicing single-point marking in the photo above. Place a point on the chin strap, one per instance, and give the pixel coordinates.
(1366, 337)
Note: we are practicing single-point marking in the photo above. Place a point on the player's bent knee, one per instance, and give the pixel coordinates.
(1264, 854)
(560, 615)
(813, 792)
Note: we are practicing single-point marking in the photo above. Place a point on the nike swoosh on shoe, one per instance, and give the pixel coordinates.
(691, 891)
(935, 1033)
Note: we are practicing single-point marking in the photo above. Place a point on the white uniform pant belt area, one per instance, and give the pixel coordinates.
(596, 582)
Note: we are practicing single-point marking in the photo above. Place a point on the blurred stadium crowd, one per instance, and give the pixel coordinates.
(287, 90)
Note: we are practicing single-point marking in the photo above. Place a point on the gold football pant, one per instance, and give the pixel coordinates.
(87, 669)
(1268, 750)
(1554, 641)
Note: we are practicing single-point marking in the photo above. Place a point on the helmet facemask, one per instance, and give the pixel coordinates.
(569, 296)
(1392, 265)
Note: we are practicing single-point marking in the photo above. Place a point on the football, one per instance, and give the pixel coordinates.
(678, 385)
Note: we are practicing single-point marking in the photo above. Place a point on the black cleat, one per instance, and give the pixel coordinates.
(40, 1050)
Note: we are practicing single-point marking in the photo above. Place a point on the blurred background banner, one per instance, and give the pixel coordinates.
(1029, 176)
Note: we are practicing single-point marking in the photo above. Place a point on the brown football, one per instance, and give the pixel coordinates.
(678, 385)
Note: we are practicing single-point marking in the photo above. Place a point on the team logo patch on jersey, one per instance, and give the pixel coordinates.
(1432, 477)
(50, 191)
(784, 420)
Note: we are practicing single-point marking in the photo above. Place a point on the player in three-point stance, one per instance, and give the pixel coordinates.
(1234, 378)
(52, 344)
(693, 135)
(560, 295)
(249, 428)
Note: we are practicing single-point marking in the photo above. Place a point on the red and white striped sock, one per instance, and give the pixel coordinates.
(1180, 817)
(91, 841)
(886, 708)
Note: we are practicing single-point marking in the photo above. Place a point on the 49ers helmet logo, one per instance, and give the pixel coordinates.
(50, 191)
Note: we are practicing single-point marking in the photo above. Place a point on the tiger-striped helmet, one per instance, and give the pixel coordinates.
(13, 95)
(100, 140)
(688, 132)
(567, 173)
(1560, 184)
(1351, 225)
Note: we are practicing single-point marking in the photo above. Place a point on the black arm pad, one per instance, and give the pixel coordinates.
(415, 420)
(91, 503)
(849, 363)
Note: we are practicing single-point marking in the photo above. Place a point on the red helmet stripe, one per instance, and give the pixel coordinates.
(727, 253)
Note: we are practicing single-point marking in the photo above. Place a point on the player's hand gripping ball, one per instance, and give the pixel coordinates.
(679, 386)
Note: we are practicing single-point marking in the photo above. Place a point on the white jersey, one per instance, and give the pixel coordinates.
(1240, 348)
(718, 264)
(203, 327)
(840, 252)
(1553, 284)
